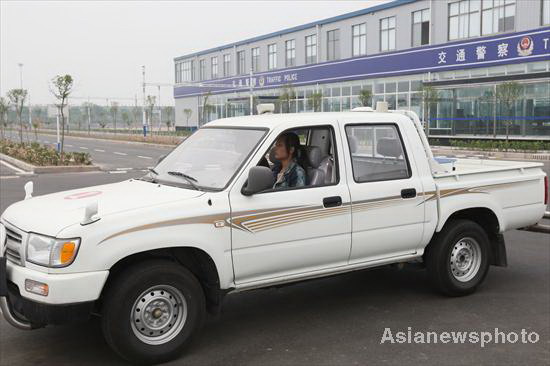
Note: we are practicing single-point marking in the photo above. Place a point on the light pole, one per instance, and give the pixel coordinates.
(143, 115)
(20, 74)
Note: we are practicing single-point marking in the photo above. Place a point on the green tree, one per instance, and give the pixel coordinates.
(187, 113)
(287, 96)
(61, 87)
(114, 112)
(206, 107)
(365, 97)
(17, 98)
(430, 96)
(169, 113)
(126, 119)
(507, 94)
(150, 103)
(314, 101)
(4, 106)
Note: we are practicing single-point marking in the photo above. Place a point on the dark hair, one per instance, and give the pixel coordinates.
(291, 140)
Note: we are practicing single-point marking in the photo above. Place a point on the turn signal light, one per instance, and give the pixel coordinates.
(67, 252)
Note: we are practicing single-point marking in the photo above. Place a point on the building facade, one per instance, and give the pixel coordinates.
(445, 59)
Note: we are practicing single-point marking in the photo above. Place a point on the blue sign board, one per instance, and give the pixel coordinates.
(491, 51)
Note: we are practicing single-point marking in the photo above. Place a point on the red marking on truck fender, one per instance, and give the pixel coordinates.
(77, 196)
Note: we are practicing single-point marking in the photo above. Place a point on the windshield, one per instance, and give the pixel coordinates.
(208, 158)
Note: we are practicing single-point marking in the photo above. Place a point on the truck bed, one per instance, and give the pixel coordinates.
(513, 190)
(459, 167)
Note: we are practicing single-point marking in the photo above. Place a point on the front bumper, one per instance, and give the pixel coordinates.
(71, 296)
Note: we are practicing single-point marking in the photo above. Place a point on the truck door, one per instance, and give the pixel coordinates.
(386, 193)
(289, 233)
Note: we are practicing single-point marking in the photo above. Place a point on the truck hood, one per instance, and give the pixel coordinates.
(51, 213)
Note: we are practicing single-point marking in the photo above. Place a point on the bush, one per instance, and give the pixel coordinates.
(41, 155)
(501, 145)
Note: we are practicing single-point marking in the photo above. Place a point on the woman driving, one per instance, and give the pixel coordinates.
(287, 172)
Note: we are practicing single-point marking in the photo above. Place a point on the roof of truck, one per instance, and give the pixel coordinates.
(269, 120)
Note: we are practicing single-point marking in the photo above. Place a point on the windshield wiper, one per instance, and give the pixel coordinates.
(189, 178)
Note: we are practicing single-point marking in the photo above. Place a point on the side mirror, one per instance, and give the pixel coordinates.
(259, 178)
(161, 158)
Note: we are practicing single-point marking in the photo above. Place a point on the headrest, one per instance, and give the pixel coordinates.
(314, 156)
(352, 142)
(389, 147)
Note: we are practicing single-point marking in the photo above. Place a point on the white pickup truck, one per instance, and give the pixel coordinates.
(151, 256)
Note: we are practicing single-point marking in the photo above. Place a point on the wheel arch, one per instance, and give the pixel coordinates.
(488, 220)
(194, 259)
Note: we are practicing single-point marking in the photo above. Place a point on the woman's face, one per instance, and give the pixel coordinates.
(281, 152)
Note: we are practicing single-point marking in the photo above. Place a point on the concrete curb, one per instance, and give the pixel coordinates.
(168, 146)
(540, 155)
(48, 169)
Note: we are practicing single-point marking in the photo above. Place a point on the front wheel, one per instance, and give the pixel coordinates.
(458, 258)
(151, 311)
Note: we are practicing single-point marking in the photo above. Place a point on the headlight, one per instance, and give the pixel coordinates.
(51, 252)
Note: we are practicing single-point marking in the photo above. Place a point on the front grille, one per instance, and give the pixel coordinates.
(13, 246)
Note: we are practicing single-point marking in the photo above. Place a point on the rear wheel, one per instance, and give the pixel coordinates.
(151, 311)
(458, 258)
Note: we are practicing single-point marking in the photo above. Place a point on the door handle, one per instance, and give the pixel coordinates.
(408, 193)
(333, 201)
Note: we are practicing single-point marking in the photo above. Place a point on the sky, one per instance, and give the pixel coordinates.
(103, 44)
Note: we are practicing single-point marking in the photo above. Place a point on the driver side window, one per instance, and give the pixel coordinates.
(303, 157)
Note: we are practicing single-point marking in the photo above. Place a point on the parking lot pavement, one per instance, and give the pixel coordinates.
(108, 154)
(334, 321)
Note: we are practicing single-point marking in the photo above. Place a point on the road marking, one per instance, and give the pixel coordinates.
(99, 150)
(83, 148)
(12, 167)
(119, 153)
(124, 168)
(10, 176)
(117, 171)
(144, 157)
(46, 142)
(69, 145)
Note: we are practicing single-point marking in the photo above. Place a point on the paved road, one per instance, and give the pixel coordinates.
(333, 321)
(108, 154)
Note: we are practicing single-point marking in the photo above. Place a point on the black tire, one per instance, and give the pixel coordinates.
(445, 246)
(118, 307)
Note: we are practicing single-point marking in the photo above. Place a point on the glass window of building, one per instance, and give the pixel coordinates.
(177, 72)
(387, 34)
(255, 59)
(214, 67)
(464, 19)
(359, 39)
(311, 49)
(272, 56)
(241, 64)
(290, 53)
(545, 12)
(226, 64)
(188, 71)
(202, 69)
(333, 44)
(497, 16)
(421, 27)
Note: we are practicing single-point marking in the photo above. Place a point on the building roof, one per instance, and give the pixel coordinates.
(372, 9)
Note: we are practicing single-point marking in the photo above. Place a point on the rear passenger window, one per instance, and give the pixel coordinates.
(377, 153)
